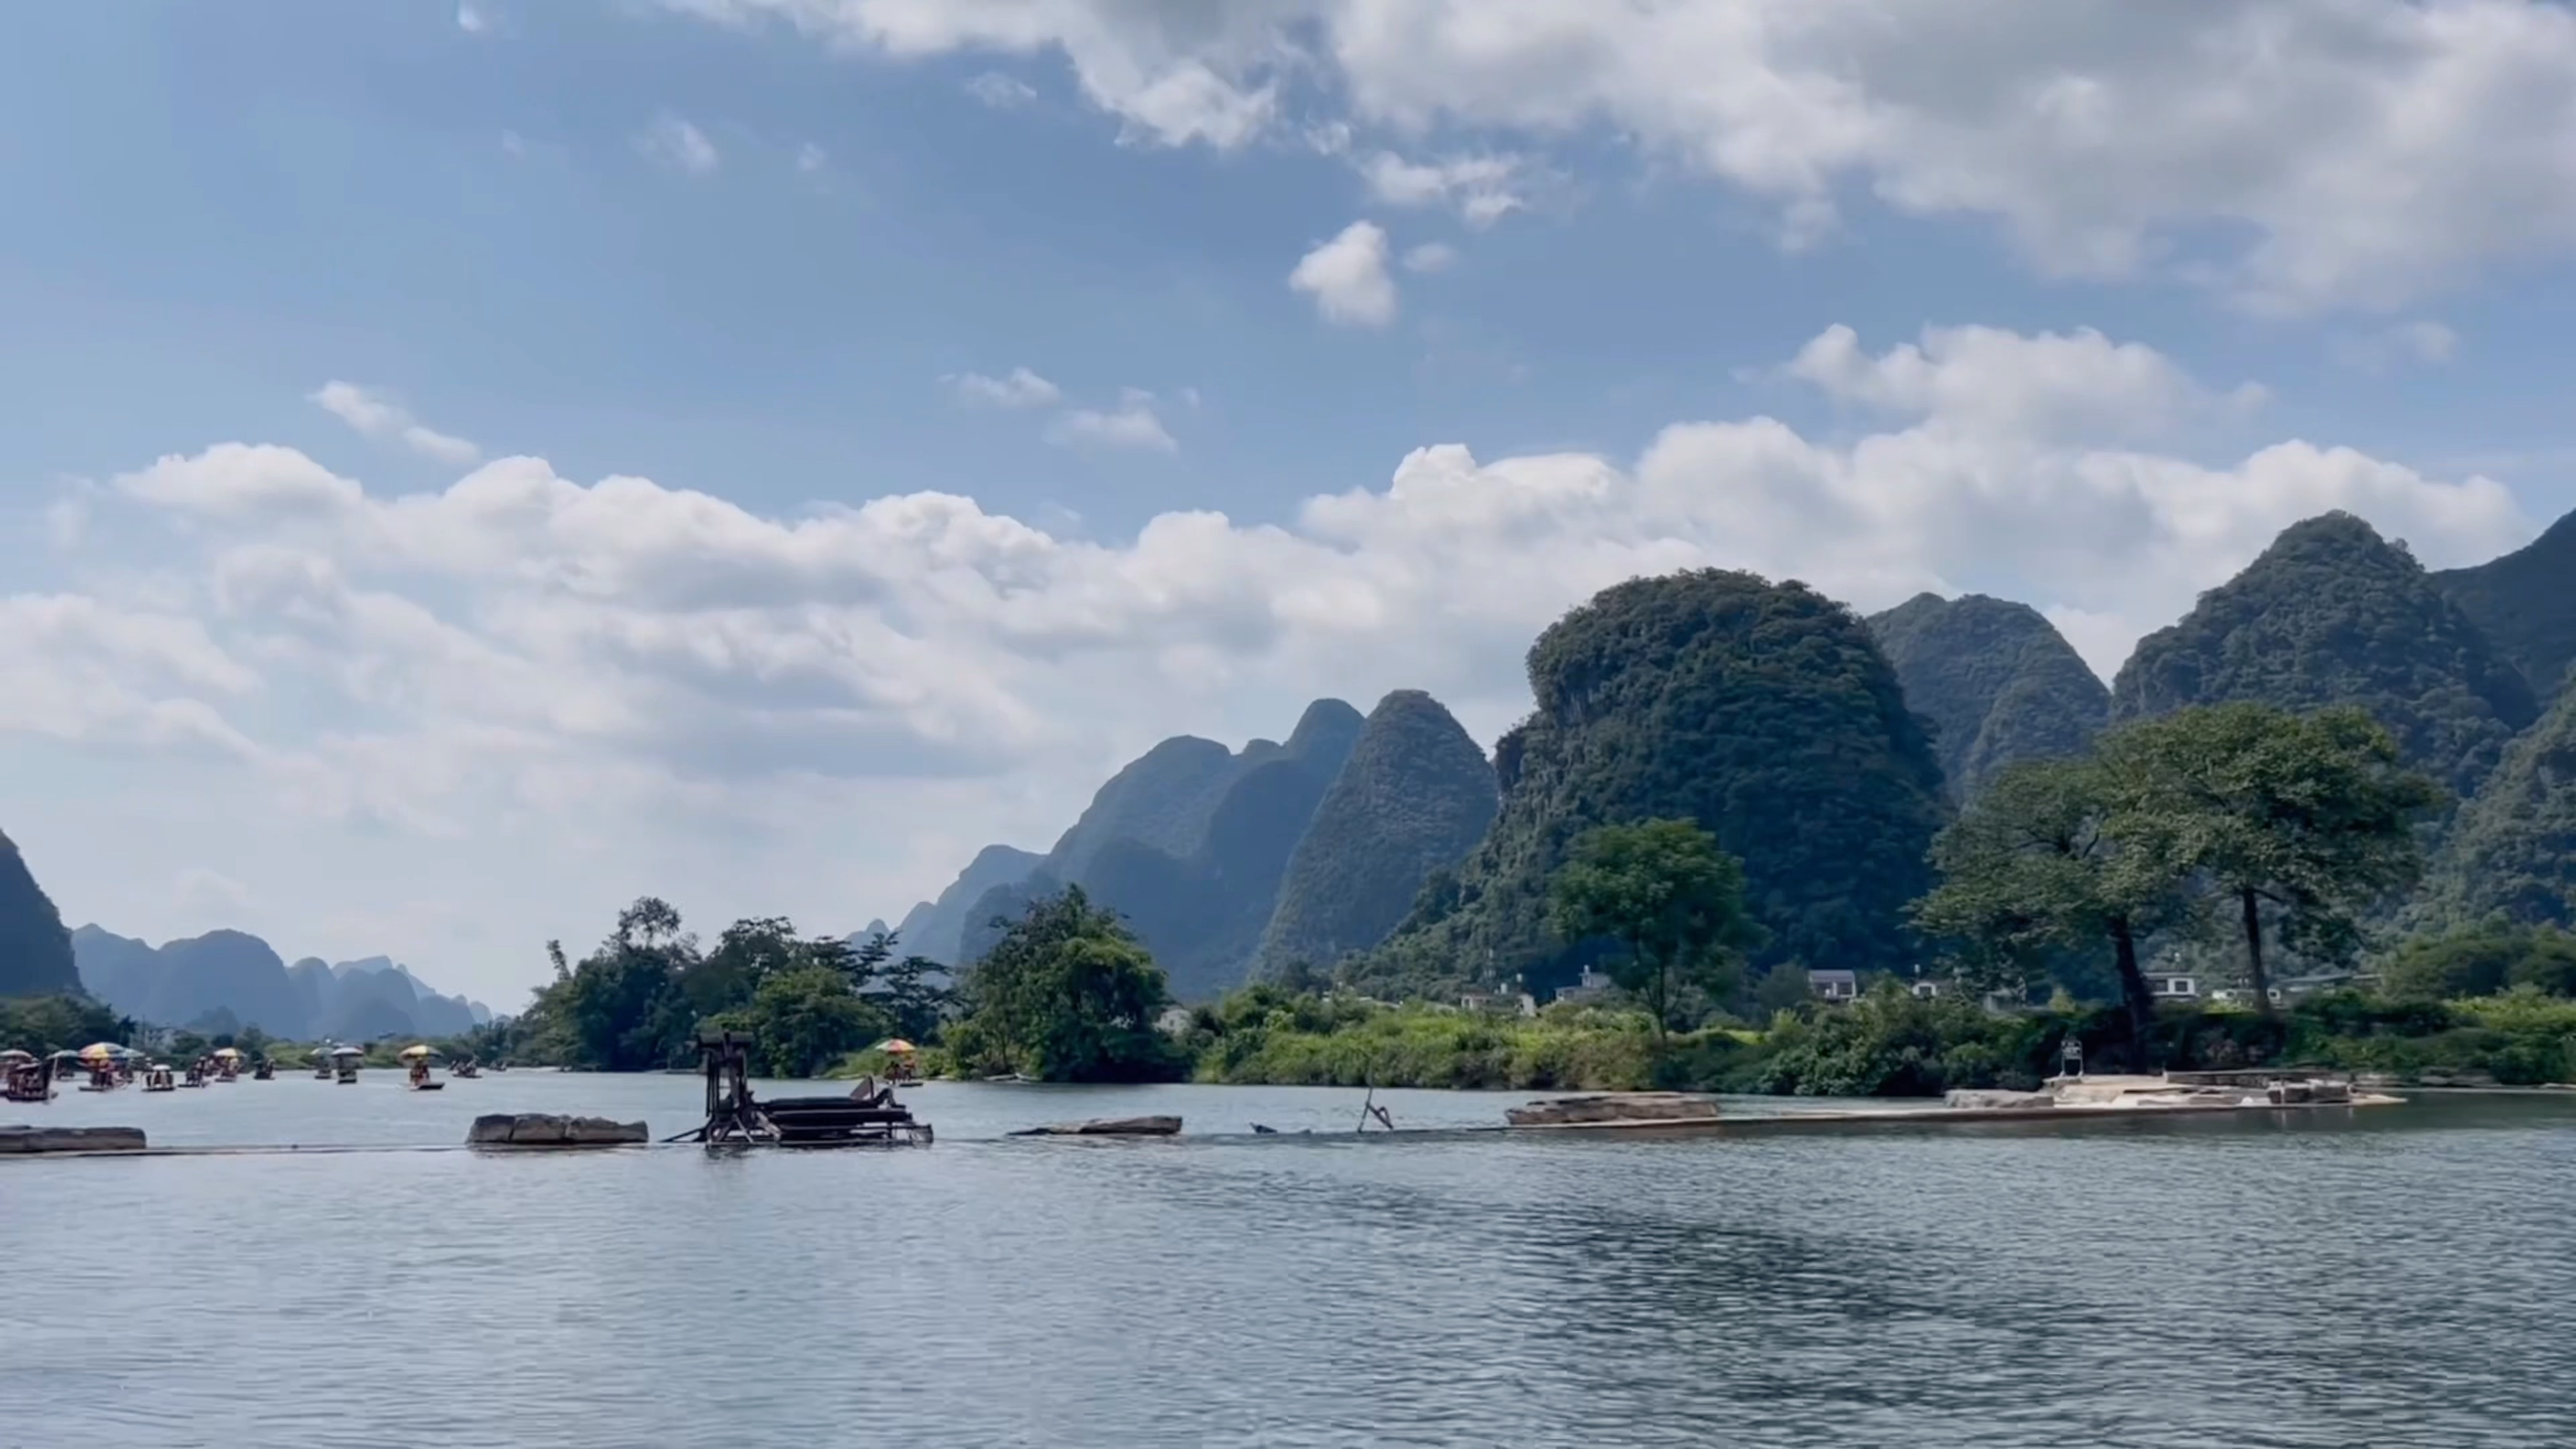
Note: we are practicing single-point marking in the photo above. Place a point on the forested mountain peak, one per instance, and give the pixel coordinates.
(1763, 711)
(2525, 603)
(1414, 797)
(1997, 680)
(2332, 613)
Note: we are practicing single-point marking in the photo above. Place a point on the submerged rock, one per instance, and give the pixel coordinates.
(544, 1129)
(1107, 1127)
(1615, 1107)
(21, 1139)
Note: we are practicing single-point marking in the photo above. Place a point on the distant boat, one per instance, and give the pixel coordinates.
(157, 1078)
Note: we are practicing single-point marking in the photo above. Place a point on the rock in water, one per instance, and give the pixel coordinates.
(24, 1139)
(1107, 1127)
(1997, 1101)
(1615, 1107)
(544, 1129)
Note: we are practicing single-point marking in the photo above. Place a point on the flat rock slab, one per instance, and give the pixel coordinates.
(545, 1129)
(1107, 1127)
(1995, 1101)
(1614, 1107)
(20, 1139)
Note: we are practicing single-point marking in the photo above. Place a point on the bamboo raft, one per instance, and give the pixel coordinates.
(735, 1118)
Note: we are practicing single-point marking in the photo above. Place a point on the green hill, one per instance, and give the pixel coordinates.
(1763, 711)
(2512, 849)
(35, 950)
(1997, 680)
(1414, 797)
(1202, 915)
(2525, 603)
(2332, 613)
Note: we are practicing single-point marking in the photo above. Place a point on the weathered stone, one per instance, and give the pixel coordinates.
(1107, 1127)
(545, 1129)
(30, 1139)
(1615, 1107)
(1997, 1101)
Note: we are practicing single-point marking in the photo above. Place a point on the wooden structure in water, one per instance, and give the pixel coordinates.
(735, 1118)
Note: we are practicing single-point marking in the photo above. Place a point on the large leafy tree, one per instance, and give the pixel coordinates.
(2308, 820)
(1067, 995)
(804, 1018)
(2034, 868)
(1672, 901)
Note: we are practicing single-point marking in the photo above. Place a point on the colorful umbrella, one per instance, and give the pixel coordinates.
(416, 1049)
(98, 1051)
(894, 1046)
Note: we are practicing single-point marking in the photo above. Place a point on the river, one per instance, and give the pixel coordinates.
(2404, 1276)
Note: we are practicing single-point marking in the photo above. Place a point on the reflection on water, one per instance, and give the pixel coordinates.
(2362, 1279)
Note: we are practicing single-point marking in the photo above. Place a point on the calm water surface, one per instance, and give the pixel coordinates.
(2406, 1277)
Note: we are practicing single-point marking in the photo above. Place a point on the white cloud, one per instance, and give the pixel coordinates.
(473, 19)
(1020, 389)
(571, 693)
(1483, 188)
(374, 415)
(1430, 257)
(1347, 277)
(1132, 425)
(811, 158)
(2296, 154)
(1000, 91)
(673, 142)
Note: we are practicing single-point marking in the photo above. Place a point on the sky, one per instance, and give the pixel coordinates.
(469, 465)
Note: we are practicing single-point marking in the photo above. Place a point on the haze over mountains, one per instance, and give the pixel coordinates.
(1823, 748)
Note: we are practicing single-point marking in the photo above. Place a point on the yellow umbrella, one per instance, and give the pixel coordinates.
(98, 1051)
(894, 1046)
(227, 1053)
(416, 1049)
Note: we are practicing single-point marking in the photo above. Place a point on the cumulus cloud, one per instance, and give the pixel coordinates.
(673, 142)
(2296, 154)
(1484, 189)
(1020, 389)
(1347, 277)
(599, 688)
(473, 19)
(1131, 425)
(371, 414)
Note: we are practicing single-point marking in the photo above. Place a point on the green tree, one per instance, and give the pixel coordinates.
(2310, 818)
(45, 1025)
(2033, 867)
(1067, 995)
(2481, 960)
(803, 1018)
(622, 1009)
(1669, 897)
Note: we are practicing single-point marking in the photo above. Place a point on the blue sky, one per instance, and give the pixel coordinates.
(755, 251)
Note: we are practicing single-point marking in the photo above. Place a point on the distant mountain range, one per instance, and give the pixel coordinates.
(226, 980)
